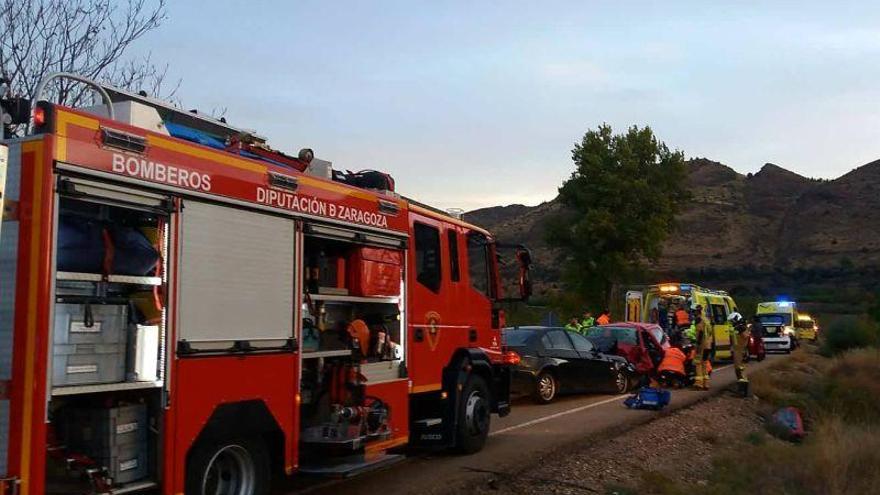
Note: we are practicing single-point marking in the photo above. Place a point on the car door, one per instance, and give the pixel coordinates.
(653, 349)
(559, 347)
(595, 369)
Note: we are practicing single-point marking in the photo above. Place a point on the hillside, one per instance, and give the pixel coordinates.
(774, 219)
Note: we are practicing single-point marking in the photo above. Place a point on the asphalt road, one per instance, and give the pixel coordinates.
(530, 432)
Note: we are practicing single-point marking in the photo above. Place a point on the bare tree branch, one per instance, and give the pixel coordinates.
(86, 37)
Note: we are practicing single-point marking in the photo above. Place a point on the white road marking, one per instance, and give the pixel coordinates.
(569, 411)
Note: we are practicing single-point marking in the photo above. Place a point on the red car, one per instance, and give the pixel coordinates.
(756, 348)
(642, 344)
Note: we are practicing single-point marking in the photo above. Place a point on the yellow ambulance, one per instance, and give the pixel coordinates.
(806, 328)
(646, 306)
(778, 319)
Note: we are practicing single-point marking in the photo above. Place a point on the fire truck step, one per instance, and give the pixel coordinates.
(135, 487)
(428, 422)
(353, 466)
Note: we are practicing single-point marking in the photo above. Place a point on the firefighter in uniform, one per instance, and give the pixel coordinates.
(739, 339)
(703, 348)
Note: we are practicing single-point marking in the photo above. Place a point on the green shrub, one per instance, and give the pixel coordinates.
(850, 332)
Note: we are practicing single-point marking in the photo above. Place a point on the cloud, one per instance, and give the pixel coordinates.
(574, 73)
(853, 40)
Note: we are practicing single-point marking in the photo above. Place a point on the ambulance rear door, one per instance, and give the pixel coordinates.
(634, 306)
(717, 312)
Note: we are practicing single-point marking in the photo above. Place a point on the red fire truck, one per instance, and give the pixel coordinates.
(185, 309)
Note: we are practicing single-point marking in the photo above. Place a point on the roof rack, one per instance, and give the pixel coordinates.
(111, 94)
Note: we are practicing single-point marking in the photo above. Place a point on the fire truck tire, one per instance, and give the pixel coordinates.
(235, 466)
(473, 416)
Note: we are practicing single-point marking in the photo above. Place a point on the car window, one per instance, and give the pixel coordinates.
(427, 256)
(650, 344)
(478, 262)
(516, 337)
(581, 343)
(623, 335)
(773, 320)
(545, 341)
(558, 340)
(658, 334)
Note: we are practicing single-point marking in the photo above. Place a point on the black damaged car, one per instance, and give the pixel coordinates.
(558, 361)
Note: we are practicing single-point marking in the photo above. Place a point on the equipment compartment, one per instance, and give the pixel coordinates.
(375, 272)
(80, 364)
(90, 323)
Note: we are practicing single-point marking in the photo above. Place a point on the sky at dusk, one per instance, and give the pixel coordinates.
(471, 104)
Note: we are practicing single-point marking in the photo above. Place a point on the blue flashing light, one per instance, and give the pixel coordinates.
(784, 304)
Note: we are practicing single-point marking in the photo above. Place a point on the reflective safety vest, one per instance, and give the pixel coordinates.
(603, 320)
(690, 332)
(588, 322)
(673, 360)
(682, 317)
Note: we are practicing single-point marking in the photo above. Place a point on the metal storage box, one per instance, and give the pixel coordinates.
(129, 464)
(80, 364)
(107, 326)
(115, 437)
(100, 432)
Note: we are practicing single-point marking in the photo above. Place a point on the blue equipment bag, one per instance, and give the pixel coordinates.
(648, 398)
(80, 244)
(133, 252)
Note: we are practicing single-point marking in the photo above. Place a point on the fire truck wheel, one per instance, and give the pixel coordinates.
(238, 466)
(473, 416)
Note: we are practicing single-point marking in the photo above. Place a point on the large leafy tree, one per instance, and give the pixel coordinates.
(621, 202)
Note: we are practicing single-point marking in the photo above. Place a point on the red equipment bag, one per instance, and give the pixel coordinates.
(375, 272)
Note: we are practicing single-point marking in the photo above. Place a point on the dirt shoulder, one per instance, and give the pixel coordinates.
(678, 446)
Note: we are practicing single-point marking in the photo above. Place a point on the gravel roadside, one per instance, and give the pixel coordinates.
(677, 447)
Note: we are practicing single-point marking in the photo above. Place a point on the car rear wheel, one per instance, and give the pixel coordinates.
(546, 387)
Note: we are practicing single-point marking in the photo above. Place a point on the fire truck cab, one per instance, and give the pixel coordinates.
(185, 309)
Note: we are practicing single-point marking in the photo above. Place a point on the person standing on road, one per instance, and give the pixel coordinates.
(663, 317)
(757, 330)
(604, 317)
(682, 321)
(587, 322)
(739, 339)
(703, 344)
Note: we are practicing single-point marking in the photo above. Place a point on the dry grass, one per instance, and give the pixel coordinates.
(840, 398)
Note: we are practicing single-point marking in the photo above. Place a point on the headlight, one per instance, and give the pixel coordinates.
(788, 331)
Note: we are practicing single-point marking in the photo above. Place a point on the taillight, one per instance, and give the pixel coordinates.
(511, 357)
(39, 116)
(42, 117)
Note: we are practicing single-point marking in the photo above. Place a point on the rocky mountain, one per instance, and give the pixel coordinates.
(773, 218)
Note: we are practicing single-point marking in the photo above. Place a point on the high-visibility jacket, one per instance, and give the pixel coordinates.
(673, 360)
(682, 318)
(588, 322)
(703, 338)
(603, 320)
